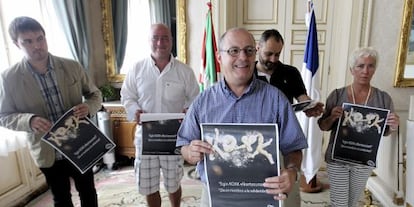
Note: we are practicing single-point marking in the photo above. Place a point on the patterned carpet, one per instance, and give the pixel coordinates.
(118, 188)
(321, 199)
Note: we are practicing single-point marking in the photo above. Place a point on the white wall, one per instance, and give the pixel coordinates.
(385, 35)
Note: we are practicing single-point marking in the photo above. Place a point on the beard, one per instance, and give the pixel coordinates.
(269, 66)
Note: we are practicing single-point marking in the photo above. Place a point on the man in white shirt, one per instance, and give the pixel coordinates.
(158, 84)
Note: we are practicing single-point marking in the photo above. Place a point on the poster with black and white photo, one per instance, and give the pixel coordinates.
(359, 133)
(79, 140)
(159, 133)
(245, 155)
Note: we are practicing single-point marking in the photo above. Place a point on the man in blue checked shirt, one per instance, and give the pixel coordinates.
(241, 98)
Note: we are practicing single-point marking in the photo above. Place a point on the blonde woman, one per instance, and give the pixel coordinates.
(348, 181)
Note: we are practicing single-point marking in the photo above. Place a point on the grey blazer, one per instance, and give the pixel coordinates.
(21, 99)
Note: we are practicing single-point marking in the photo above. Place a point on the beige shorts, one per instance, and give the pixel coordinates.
(148, 168)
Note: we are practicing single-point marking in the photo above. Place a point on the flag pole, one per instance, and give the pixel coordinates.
(210, 68)
(311, 186)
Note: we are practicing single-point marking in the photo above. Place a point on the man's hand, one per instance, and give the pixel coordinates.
(40, 124)
(194, 152)
(315, 111)
(280, 186)
(81, 110)
(138, 116)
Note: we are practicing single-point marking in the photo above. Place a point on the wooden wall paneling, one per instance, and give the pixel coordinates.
(20, 178)
(256, 18)
(296, 34)
(288, 16)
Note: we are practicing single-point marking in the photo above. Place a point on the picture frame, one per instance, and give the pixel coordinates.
(404, 73)
(112, 73)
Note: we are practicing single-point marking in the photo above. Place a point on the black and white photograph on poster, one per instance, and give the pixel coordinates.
(245, 155)
(359, 133)
(159, 133)
(79, 140)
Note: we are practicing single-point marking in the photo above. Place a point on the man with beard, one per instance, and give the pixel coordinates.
(289, 80)
(285, 77)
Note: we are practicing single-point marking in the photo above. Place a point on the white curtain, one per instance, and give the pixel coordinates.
(139, 23)
(45, 14)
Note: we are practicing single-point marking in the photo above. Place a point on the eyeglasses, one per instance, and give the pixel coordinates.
(158, 38)
(235, 51)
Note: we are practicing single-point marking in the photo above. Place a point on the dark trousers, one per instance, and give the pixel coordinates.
(58, 178)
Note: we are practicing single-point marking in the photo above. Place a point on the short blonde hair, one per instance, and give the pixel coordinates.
(360, 53)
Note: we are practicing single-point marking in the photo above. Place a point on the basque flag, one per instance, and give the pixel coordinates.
(210, 68)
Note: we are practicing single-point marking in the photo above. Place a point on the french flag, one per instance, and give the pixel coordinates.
(313, 154)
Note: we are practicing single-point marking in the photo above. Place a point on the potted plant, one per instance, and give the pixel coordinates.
(108, 92)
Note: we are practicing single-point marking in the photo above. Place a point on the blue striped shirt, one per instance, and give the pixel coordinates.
(260, 103)
(51, 94)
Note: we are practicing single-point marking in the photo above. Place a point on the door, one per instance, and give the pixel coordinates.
(288, 17)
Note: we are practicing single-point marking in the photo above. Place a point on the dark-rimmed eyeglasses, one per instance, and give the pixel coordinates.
(235, 51)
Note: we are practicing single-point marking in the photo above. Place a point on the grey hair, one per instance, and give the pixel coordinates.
(361, 53)
(159, 25)
(223, 36)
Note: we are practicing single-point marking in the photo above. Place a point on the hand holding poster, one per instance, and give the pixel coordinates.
(159, 133)
(79, 140)
(358, 134)
(304, 105)
(245, 155)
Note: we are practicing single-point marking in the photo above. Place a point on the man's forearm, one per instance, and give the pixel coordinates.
(293, 159)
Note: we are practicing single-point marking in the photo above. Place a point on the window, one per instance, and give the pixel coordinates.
(4, 62)
(44, 13)
(137, 46)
